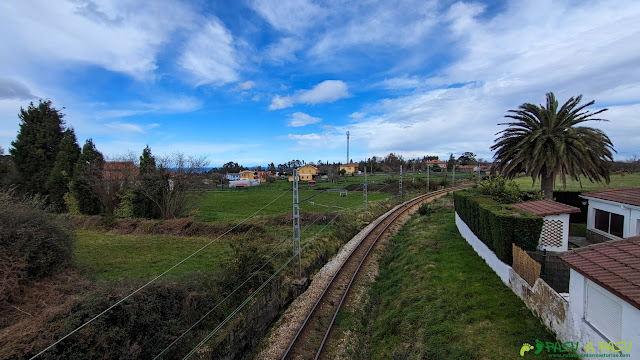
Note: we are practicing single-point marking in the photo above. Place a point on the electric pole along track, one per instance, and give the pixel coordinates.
(314, 332)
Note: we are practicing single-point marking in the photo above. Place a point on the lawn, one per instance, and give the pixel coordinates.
(234, 205)
(436, 298)
(617, 181)
(113, 257)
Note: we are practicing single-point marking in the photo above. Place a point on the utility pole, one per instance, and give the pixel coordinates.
(428, 170)
(454, 174)
(364, 189)
(400, 183)
(296, 225)
(347, 148)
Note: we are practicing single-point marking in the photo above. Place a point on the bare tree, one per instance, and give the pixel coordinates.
(168, 186)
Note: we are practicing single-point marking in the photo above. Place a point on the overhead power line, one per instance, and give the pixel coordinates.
(155, 278)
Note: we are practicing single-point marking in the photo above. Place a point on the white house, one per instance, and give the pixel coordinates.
(612, 214)
(555, 229)
(604, 294)
(232, 176)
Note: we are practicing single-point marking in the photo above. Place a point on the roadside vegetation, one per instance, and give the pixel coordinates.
(435, 298)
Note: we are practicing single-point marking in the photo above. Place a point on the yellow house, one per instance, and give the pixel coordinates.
(349, 168)
(247, 174)
(306, 173)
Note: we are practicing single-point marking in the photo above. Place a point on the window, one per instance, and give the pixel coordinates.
(603, 312)
(609, 222)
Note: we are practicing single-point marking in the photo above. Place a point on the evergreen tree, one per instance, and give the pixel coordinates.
(35, 149)
(87, 179)
(451, 162)
(149, 187)
(63, 169)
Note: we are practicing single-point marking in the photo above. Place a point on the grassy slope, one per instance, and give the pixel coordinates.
(111, 257)
(617, 181)
(436, 299)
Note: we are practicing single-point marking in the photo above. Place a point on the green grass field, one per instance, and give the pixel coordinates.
(234, 205)
(617, 181)
(112, 257)
(435, 298)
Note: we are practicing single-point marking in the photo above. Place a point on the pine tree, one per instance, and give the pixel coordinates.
(149, 187)
(35, 149)
(87, 178)
(63, 170)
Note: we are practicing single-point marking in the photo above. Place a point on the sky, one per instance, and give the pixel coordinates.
(260, 81)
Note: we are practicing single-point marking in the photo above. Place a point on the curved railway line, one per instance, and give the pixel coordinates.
(312, 335)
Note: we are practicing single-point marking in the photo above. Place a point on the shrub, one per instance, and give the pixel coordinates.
(425, 209)
(498, 225)
(501, 190)
(33, 238)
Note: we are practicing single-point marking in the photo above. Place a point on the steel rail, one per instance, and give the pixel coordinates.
(396, 213)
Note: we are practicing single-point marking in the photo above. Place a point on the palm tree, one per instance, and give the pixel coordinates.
(545, 142)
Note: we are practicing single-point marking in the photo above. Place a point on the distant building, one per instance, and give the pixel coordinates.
(436, 162)
(119, 171)
(247, 174)
(306, 173)
(232, 176)
(349, 168)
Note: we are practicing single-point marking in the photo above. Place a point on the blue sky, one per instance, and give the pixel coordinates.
(261, 81)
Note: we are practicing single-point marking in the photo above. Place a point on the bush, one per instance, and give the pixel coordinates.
(498, 225)
(501, 190)
(425, 209)
(29, 236)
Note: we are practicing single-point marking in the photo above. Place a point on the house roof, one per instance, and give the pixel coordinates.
(350, 164)
(626, 196)
(546, 207)
(614, 265)
(431, 162)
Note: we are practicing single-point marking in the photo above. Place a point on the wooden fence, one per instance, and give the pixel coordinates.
(525, 266)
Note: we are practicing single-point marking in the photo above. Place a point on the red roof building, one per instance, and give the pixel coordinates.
(555, 229)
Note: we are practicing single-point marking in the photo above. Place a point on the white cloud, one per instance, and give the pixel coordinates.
(279, 102)
(399, 83)
(357, 115)
(210, 57)
(121, 37)
(299, 119)
(283, 51)
(246, 85)
(306, 137)
(292, 16)
(325, 92)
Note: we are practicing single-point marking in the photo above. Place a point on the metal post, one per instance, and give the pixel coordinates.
(400, 183)
(296, 225)
(364, 189)
(454, 174)
(428, 171)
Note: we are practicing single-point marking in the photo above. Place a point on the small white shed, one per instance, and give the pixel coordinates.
(612, 214)
(555, 230)
(604, 294)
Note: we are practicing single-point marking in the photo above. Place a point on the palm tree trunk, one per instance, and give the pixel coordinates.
(547, 185)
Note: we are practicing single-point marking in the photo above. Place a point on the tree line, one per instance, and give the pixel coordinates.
(46, 162)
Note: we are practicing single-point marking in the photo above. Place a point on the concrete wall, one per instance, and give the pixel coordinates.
(489, 256)
(563, 313)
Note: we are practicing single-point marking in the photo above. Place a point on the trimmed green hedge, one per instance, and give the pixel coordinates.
(498, 225)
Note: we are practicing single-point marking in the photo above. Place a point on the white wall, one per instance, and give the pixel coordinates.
(489, 256)
(631, 215)
(565, 233)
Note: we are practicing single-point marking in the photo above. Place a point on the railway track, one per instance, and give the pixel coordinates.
(314, 332)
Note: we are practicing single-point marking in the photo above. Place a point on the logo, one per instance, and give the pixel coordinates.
(620, 349)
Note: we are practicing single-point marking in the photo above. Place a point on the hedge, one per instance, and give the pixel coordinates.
(498, 225)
